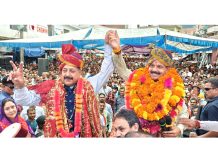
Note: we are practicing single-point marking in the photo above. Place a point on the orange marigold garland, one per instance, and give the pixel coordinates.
(78, 110)
(152, 100)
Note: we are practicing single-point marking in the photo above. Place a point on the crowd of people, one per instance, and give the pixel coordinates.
(112, 99)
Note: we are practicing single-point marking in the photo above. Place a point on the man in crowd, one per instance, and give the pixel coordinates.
(7, 89)
(107, 106)
(2, 74)
(210, 110)
(39, 111)
(31, 121)
(107, 116)
(120, 100)
(144, 86)
(125, 121)
(111, 97)
(40, 122)
(137, 134)
(193, 102)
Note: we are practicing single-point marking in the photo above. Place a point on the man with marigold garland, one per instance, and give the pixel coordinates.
(72, 109)
(154, 92)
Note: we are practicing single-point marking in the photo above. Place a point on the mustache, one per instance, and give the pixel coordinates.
(154, 72)
(67, 77)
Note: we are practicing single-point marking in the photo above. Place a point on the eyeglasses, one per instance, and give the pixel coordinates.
(207, 89)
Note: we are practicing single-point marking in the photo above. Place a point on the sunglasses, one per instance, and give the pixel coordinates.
(207, 89)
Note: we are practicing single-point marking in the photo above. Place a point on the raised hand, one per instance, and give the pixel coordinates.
(17, 75)
(112, 39)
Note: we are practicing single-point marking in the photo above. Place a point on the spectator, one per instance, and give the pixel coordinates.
(137, 134)
(120, 100)
(107, 116)
(10, 115)
(40, 125)
(31, 113)
(124, 122)
(210, 110)
(7, 89)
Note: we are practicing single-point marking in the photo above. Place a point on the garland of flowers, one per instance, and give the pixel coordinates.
(58, 116)
(152, 100)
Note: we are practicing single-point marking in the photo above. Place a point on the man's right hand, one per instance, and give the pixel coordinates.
(188, 122)
(113, 39)
(17, 75)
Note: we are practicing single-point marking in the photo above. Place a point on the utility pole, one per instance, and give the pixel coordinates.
(21, 30)
(202, 33)
(50, 30)
(50, 33)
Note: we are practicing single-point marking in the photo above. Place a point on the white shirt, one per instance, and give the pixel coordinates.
(109, 109)
(209, 125)
(102, 121)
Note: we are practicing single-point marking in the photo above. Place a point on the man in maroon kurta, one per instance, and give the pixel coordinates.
(60, 97)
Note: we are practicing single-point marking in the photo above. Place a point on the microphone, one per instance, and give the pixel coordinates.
(168, 123)
(162, 123)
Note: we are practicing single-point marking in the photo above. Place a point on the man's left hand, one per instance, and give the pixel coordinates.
(172, 133)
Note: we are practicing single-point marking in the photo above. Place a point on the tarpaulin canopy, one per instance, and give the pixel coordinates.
(170, 40)
(32, 52)
(93, 38)
(46, 42)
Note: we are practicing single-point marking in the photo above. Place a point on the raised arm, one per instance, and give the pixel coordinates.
(119, 63)
(22, 95)
(120, 66)
(17, 75)
(106, 71)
